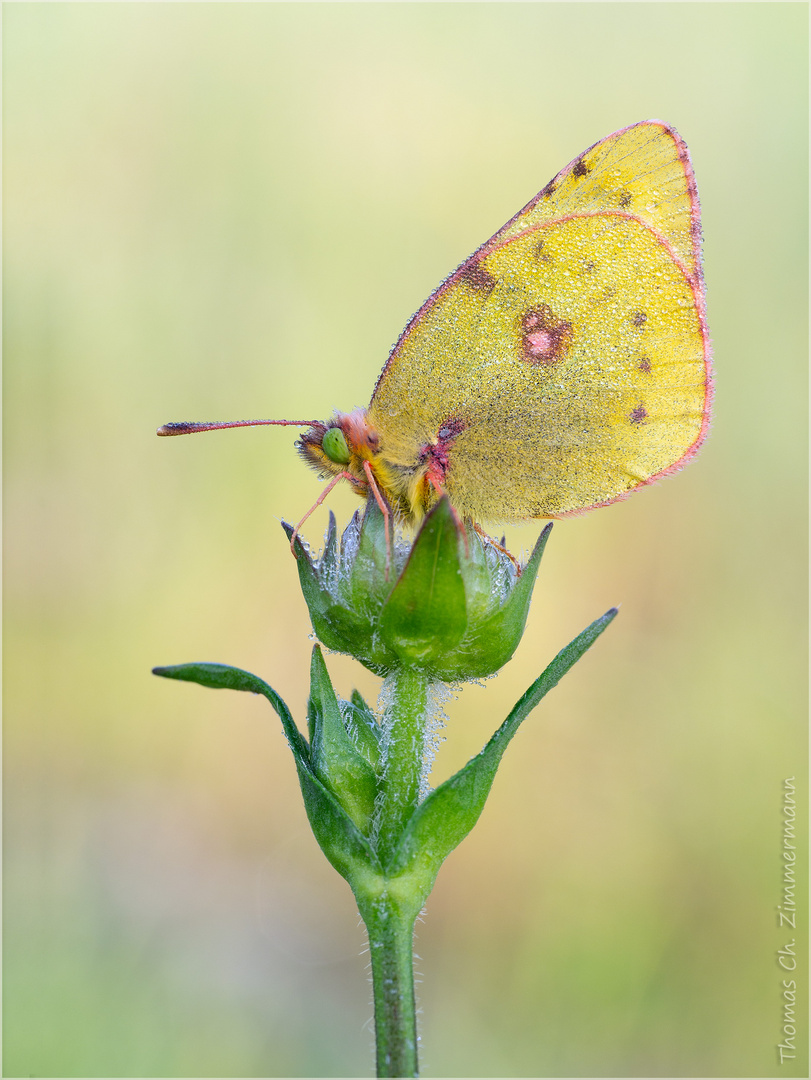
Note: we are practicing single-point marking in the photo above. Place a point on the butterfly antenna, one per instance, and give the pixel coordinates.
(190, 427)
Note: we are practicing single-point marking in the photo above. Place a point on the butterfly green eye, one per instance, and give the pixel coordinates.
(334, 446)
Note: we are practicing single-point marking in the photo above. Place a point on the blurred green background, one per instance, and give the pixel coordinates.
(228, 211)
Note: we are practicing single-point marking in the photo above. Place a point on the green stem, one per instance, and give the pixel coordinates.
(389, 906)
(403, 757)
(391, 934)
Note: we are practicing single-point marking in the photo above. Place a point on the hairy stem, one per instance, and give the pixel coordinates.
(391, 930)
(389, 906)
(404, 724)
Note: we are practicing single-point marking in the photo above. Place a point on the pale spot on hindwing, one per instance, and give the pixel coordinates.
(544, 338)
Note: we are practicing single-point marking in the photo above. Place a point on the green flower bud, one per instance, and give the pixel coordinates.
(452, 605)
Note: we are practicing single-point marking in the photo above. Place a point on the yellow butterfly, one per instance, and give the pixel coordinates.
(563, 365)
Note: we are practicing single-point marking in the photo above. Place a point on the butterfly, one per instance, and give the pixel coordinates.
(563, 365)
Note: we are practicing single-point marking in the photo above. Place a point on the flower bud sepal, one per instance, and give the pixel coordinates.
(453, 606)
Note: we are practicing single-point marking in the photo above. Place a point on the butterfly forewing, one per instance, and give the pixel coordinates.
(643, 171)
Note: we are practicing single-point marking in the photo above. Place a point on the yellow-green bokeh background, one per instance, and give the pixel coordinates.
(223, 211)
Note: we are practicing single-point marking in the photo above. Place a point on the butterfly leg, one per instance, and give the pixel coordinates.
(500, 546)
(381, 502)
(317, 503)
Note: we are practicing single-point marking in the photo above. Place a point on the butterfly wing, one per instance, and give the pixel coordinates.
(643, 170)
(569, 355)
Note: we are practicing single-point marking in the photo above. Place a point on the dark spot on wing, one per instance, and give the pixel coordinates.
(639, 318)
(579, 168)
(540, 253)
(625, 198)
(638, 415)
(477, 278)
(644, 365)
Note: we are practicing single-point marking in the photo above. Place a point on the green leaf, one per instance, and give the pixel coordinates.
(223, 677)
(337, 835)
(448, 814)
(426, 614)
(333, 756)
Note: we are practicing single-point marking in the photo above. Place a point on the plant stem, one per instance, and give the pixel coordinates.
(403, 756)
(391, 933)
(389, 906)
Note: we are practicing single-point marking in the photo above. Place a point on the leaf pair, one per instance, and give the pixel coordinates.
(339, 773)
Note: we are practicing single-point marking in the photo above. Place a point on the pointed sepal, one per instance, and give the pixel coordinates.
(363, 729)
(492, 639)
(335, 760)
(454, 606)
(426, 614)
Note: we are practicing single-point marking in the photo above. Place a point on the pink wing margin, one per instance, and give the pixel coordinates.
(696, 281)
